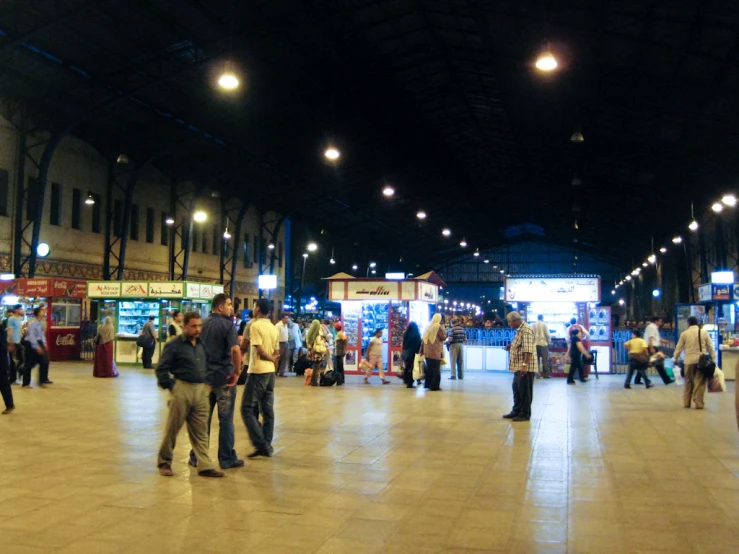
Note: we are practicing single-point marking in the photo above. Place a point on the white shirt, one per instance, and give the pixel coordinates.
(375, 347)
(689, 344)
(296, 336)
(281, 331)
(651, 331)
(541, 334)
(262, 333)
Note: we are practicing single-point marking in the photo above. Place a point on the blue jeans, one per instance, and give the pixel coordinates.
(259, 394)
(225, 398)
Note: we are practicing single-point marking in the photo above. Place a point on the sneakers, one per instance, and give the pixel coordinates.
(211, 473)
(165, 470)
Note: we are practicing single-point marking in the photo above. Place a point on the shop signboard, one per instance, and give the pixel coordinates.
(372, 290)
(408, 290)
(736, 292)
(704, 293)
(208, 291)
(193, 290)
(722, 292)
(164, 289)
(34, 287)
(552, 289)
(428, 292)
(134, 289)
(64, 343)
(63, 288)
(104, 289)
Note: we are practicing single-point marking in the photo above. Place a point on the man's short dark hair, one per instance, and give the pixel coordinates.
(692, 320)
(655, 319)
(264, 305)
(152, 317)
(37, 311)
(17, 306)
(378, 331)
(189, 316)
(637, 332)
(574, 332)
(175, 313)
(219, 300)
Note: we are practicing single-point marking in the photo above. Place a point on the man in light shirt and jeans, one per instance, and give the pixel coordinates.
(693, 341)
(283, 334)
(259, 393)
(542, 338)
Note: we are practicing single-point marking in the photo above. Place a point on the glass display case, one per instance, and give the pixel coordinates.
(66, 312)
(398, 323)
(133, 314)
(350, 313)
(419, 314)
(374, 316)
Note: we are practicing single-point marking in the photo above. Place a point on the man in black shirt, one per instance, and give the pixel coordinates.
(181, 371)
(222, 373)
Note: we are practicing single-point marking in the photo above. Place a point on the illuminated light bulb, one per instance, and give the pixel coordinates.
(421, 215)
(546, 62)
(645, 264)
(312, 247)
(373, 264)
(446, 232)
(199, 216)
(332, 153)
(621, 302)
(226, 234)
(332, 261)
(718, 207)
(228, 81)
(463, 243)
(729, 200)
(355, 267)
(677, 240)
(271, 246)
(652, 259)
(305, 254)
(90, 200)
(693, 225)
(628, 277)
(663, 249)
(388, 191)
(486, 261)
(169, 220)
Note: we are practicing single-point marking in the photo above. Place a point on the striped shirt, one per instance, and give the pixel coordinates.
(523, 343)
(458, 335)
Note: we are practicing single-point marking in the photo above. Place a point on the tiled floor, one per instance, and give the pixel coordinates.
(376, 469)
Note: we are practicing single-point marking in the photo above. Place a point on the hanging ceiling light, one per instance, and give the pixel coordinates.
(628, 277)
(718, 207)
(271, 246)
(546, 61)
(446, 232)
(312, 247)
(652, 259)
(200, 216)
(486, 261)
(90, 200)
(645, 264)
(677, 240)
(663, 249)
(577, 135)
(388, 191)
(729, 200)
(169, 220)
(693, 226)
(226, 234)
(476, 253)
(332, 154)
(421, 214)
(463, 243)
(355, 267)
(228, 80)
(332, 261)
(373, 264)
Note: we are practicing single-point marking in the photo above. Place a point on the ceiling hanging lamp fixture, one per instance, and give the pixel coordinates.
(228, 80)
(577, 136)
(546, 61)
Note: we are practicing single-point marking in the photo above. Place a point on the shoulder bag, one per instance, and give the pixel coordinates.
(706, 365)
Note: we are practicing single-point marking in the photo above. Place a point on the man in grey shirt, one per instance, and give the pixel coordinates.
(150, 332)
(222, 372)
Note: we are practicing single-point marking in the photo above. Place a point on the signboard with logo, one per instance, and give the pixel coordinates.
(63, 344)
(372, 290)
(167, 289)
(428, 292)
(736, 291)
(722, 292)
(383, 290)
(552, 289)
(134, 289)
(193, 290)
(104, 289)
(58, 288)
(209, 291)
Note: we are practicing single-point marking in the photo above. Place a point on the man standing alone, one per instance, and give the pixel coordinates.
(693, 341)
(184, 358)
(36, 352)
(456, 349)
(542, 338)
(283, 333)
(15, 349)
(149, 332)
(222, 372)
(522, 362)
(260, 382)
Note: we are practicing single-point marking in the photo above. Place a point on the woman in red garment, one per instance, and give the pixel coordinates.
(104, 365)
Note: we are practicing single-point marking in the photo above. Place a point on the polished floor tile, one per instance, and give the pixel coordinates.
(376, 469)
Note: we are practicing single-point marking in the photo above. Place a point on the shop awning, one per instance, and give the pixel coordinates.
(431, 277)
(339, 276)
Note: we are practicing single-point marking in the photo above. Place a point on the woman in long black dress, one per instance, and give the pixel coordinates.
(411, 346)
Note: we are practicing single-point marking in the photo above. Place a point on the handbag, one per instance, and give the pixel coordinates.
(419, 367)
(319, 347)
(142, 341)
(706, 365)
(717, 382)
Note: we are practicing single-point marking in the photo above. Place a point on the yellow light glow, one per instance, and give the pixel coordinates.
(199, 216)
(228, 81)
(332, 153)
(546, 62)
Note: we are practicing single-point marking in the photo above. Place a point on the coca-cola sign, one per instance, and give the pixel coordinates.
(65, 340)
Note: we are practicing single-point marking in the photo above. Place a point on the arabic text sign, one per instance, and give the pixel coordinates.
(166, 290)
(193, 290)
(134, 289)
(103, 289)
(372, 290)
(555, 289)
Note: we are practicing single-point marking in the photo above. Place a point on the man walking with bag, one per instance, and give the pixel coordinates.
(184, 358)
(694, 342)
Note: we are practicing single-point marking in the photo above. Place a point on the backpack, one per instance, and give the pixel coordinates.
(329, 378)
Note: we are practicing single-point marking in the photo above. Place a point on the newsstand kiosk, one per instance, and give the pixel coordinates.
(387, 304)
(559, 298)
(63, 300)
(130, 303)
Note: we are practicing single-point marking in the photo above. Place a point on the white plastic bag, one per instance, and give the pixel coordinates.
(717, 383)
(419, 367)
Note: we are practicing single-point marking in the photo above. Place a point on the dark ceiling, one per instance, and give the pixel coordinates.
(437, 97)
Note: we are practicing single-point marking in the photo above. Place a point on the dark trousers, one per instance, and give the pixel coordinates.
(433, 374)
(523, 393)
(641, 372)
(146, 355)
(16, 363)
(339, 369)
(576, 366)
(33, 358)
(408, 372)
(259, 395)
(5, 389)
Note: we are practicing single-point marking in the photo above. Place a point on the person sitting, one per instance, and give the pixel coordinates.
(302, 363)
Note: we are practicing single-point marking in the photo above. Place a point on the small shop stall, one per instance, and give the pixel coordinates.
(559, 298)
(387, 304)
(63, 299)
(131, 303)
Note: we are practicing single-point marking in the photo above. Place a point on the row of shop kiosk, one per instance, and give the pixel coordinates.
(70, 303)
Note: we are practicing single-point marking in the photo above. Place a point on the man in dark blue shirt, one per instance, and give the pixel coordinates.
(223, 367)
(181, 371)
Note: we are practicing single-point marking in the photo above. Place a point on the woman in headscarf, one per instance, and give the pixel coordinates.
(104, 365)
(432, 347)
(411, 346)
(317, 349)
